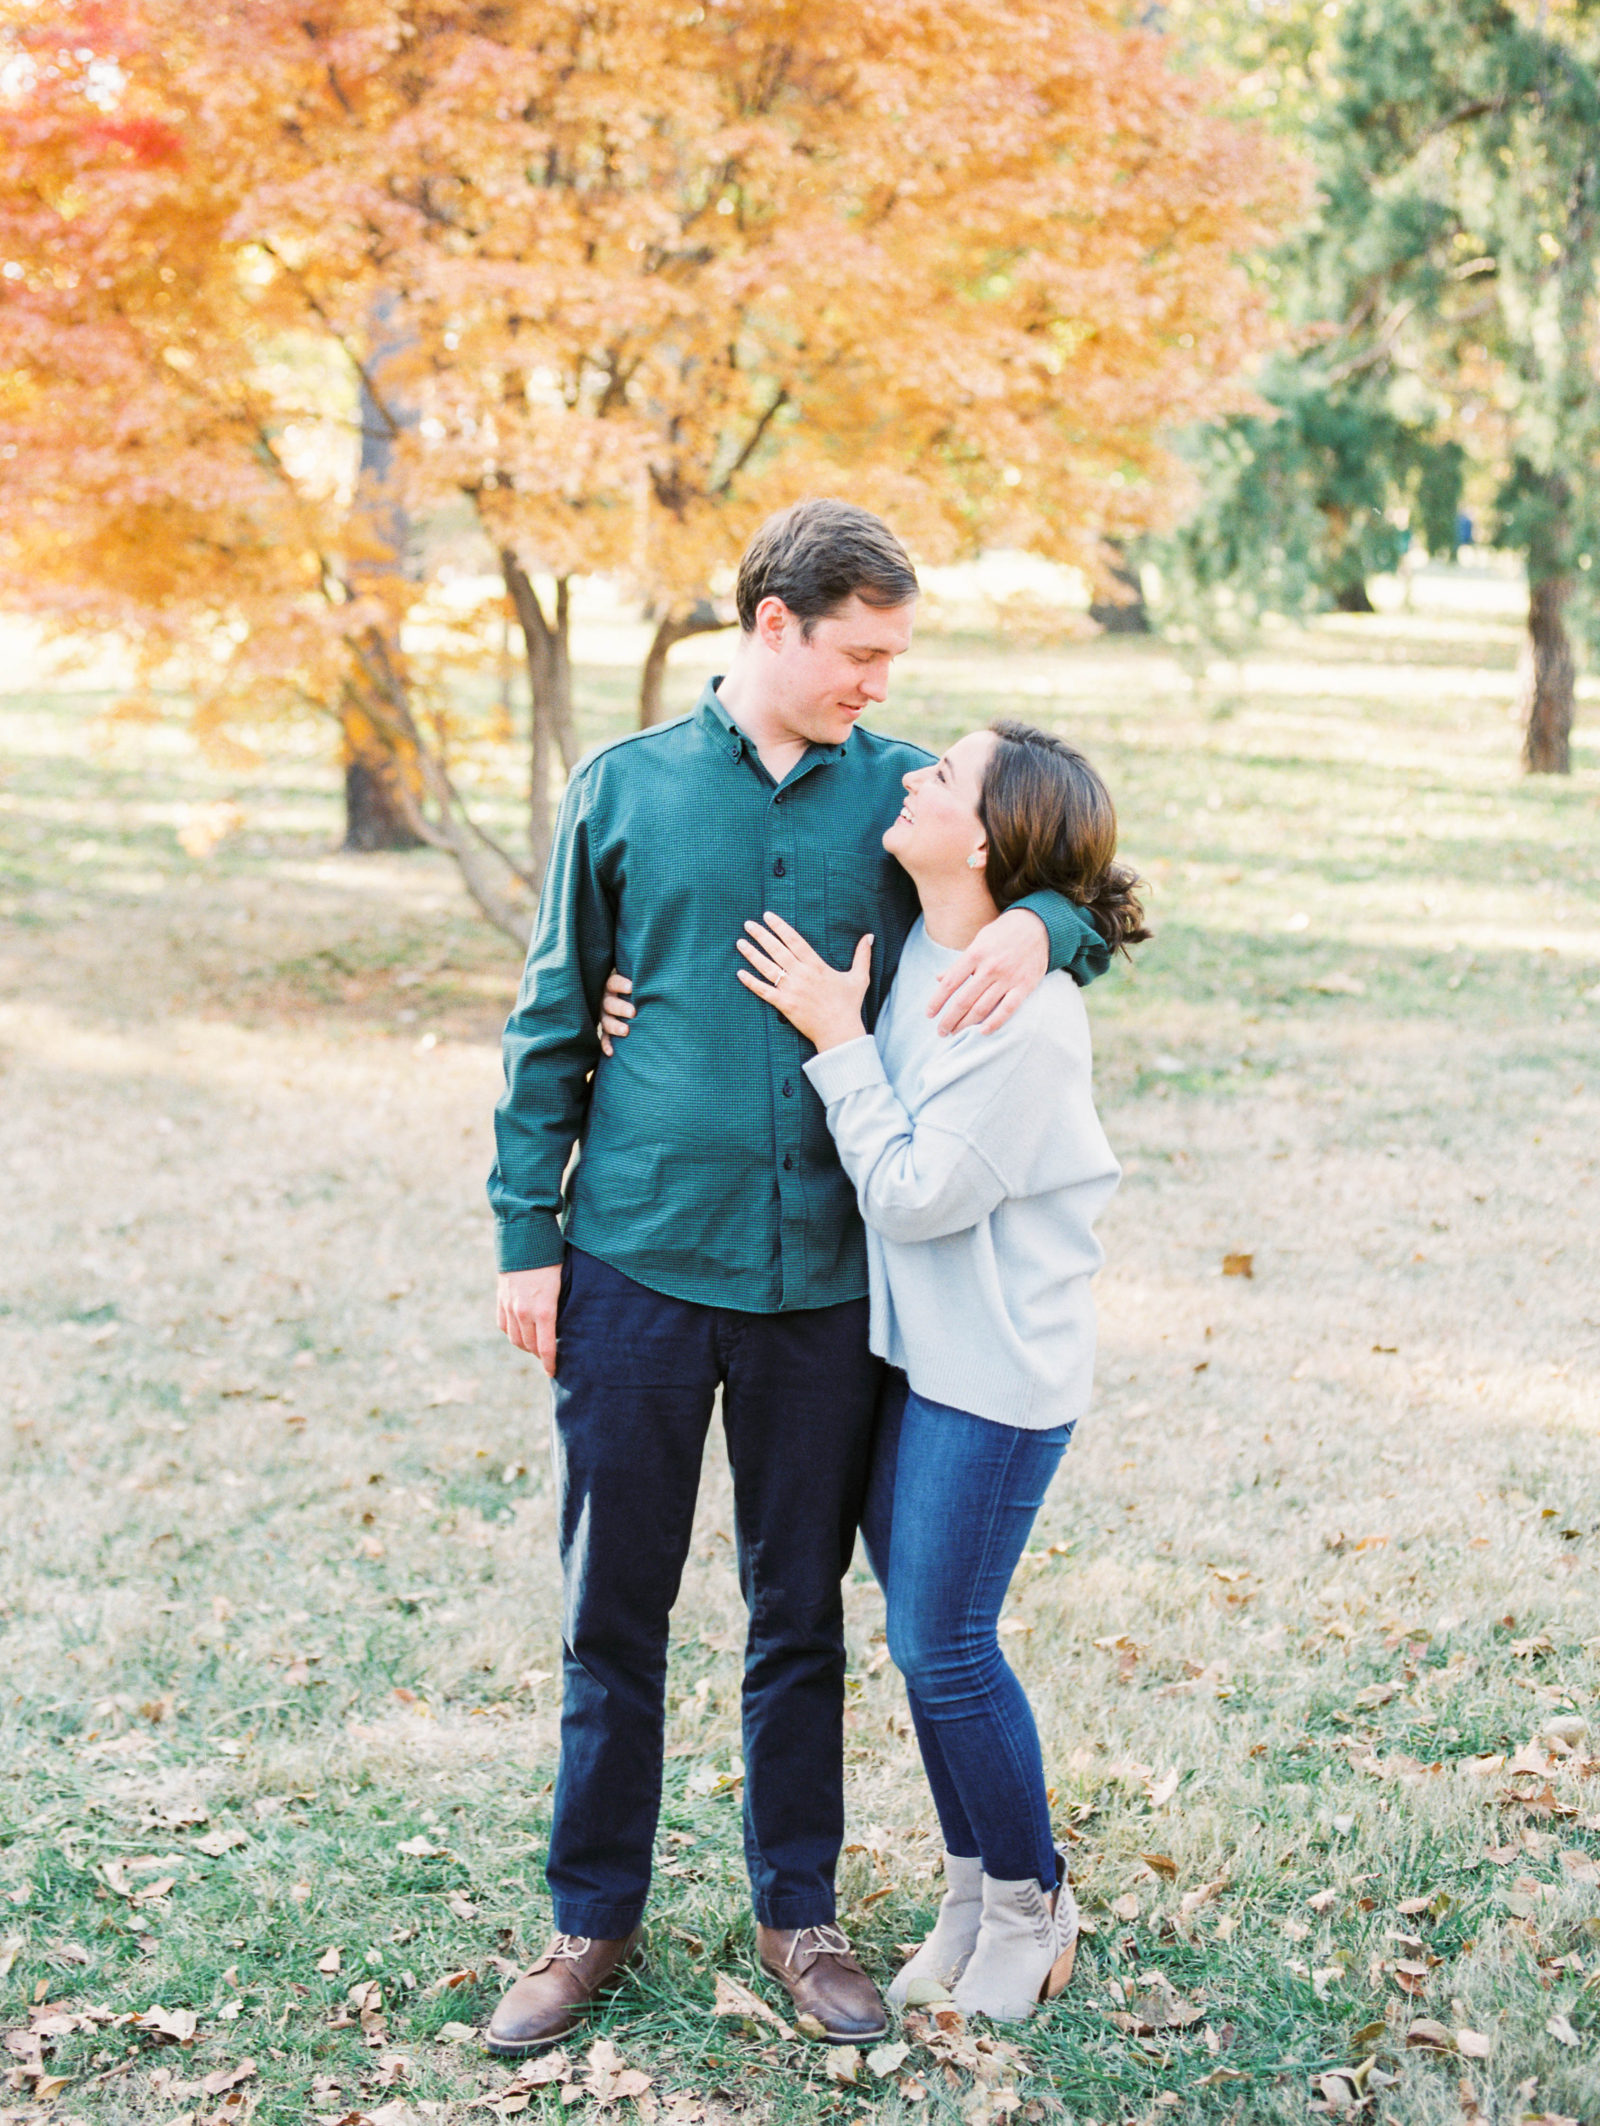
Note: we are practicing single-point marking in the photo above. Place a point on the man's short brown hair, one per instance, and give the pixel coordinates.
(818, 555)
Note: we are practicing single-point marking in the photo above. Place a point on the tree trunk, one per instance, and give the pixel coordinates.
(375, 807)
(1548, 680)
(373, 819)
(547, 643)
(701, 619)
(381, 786)
(1125, 615)
(1353, 597)
(377, 702)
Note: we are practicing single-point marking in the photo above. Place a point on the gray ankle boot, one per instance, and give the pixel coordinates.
(954, 1931)
(1027, 1941)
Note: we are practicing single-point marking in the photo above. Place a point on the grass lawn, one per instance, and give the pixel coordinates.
(1311, 1620)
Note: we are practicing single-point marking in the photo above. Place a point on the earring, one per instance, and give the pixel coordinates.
(975, 860)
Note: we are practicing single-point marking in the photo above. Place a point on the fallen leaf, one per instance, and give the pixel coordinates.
(1207, 1893)
(1163, 1789)
(1562, 2031)
(1161, 1864)
(732, 1998)
(844, 2063)
(1322, 1899)
(1238, 1265)
(1431, 2036)
(537, 2073)
(1339, 2091)
(177, 2025)
(216, 1843)
(1472, 2044)
(226, 2078)
(419, 1848)
(1125, 1907)
(330, 1962)
(884, 2059)
(454, 2034)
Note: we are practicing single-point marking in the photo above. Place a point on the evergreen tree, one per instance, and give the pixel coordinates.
(1457, 159)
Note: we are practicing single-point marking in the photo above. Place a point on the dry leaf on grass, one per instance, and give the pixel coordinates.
(1192, 1900)
(1160, 1864)
(606, 2079)
(1429, 2036)
(884, 2059)
(216, 1843)
(454, 2034)
(226, 2078)
(176, 2026)
(732, 1998)
(330, 1962)
(1125, 1907)
(844, 2063)
(1162, 1790)
(1472, 2044)
(1562, 2031)
(1321, 1900)
(1238, 1265)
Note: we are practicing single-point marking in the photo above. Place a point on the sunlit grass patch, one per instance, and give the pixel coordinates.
(1316, 1579)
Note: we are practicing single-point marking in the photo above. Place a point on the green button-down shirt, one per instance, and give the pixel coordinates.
(706, 1169)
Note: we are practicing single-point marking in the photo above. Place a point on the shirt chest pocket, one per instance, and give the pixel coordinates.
(855, 899)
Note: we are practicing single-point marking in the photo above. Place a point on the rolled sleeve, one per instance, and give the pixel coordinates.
(1075, 944)
(850, 1068)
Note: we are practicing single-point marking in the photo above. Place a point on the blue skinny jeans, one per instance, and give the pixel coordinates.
(950, 1504)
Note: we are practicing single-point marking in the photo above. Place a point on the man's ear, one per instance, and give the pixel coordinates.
(773, 620)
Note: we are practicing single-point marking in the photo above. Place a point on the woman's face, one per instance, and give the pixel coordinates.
(937, 828)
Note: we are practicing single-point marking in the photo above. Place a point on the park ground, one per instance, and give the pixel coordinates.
(1311, 1617)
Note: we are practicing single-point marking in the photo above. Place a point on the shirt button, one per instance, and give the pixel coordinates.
(788, 1162)
(788, 1090)
(779, 868)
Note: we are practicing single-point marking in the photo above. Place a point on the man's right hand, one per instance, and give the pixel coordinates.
(525, 1310)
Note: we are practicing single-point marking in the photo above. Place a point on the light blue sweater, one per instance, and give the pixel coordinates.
(980, 1168)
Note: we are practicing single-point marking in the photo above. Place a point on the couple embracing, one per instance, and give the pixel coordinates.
(850, 1179)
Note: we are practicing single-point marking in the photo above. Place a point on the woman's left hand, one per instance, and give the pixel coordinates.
(819, 1001)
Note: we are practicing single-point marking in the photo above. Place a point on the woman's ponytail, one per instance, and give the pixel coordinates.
(1051, 826)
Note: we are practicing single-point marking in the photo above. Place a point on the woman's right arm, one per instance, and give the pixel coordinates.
(940, 1172)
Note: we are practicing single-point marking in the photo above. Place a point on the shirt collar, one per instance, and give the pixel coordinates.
(719, 726)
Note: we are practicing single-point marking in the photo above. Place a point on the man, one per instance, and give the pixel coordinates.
(711, 1240)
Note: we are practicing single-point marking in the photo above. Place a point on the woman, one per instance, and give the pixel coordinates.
(980, 1167)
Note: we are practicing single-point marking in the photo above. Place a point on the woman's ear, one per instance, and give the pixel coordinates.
(979, 857)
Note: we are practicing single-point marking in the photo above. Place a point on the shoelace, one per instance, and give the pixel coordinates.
(570, 1945)
(827, 1941)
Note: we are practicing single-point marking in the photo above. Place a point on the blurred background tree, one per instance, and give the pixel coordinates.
(1442, 308)
(286, 285)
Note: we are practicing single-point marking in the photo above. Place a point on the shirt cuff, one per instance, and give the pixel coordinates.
(849, 1068)
(535, 1243)
(1075, 944)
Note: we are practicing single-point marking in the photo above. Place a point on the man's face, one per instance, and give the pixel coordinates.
(823, 684)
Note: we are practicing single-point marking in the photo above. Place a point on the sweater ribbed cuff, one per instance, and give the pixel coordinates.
(849, 1068)
(534, 1243)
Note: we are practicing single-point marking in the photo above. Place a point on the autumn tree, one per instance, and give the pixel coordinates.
(620, 281)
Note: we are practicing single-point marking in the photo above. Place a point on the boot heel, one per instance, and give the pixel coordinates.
(1060, 1972)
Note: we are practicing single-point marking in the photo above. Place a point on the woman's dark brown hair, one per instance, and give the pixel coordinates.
(1051, 824)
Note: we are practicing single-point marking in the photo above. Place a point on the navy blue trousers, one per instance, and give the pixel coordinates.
(636, 1377)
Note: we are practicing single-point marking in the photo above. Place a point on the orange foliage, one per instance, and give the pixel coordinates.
(623, 274)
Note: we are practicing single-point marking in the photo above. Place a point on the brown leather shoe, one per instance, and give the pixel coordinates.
(548, 2002)
(821, 1976)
